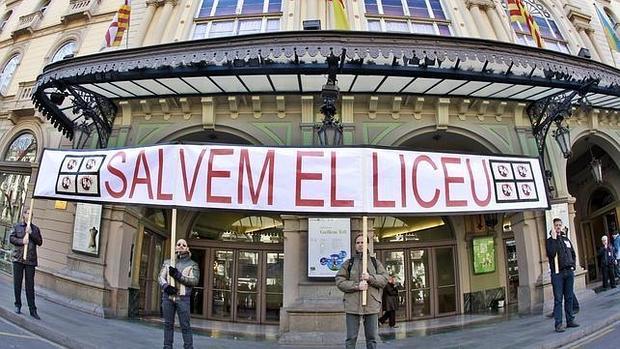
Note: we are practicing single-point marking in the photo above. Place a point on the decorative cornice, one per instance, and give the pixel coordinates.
(482, 4)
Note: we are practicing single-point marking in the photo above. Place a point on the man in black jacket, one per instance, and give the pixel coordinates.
(24, 234)
(562, 265)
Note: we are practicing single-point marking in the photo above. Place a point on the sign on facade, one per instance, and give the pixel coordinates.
(86, 228)
(329, 245)
(342, 180)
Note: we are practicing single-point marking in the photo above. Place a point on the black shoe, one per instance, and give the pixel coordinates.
(395, 326)
(18, 310)
(34, 314)
(572, 324)
(559, 329)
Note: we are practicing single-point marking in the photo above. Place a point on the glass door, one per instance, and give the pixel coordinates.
(273, 286)
(445, 277)
(420, 283)
(512, 271)
(247, 282)
(394, 262)
(151, 260)
(198, 292)
(221, 299)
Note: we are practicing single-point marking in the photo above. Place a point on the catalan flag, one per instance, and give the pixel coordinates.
(341, 22)
(608, 28)
(519, 13)
(120, 24)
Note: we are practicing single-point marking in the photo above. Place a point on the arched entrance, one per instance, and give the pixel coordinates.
(421, 253)
(242, 257)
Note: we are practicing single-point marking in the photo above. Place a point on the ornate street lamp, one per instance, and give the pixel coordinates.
(329, 131)
(596, 168)
(562, 137)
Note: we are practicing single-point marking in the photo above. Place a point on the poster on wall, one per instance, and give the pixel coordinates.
(329, 245)
(484, 254)
(557, 211)
(86, 229)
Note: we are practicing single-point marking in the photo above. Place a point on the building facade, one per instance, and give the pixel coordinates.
(254, 264)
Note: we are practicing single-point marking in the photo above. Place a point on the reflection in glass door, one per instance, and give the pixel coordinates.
(394, 262)
(222, 285)
(445, 280)
(247, 277)
(420, 284)
(273, 286)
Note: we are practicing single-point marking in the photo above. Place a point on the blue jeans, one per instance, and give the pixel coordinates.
(563, 290)
(181, 307)
(371, 329)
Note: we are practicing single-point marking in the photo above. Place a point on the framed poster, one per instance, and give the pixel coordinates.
(484, 254)
(557, 211)
(329, 245)
(87, 228)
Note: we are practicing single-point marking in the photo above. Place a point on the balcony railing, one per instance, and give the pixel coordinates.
(22, 105)
(79, 9)
(27, 24)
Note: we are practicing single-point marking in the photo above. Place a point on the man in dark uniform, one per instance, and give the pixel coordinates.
(25, 234)
(562, 265)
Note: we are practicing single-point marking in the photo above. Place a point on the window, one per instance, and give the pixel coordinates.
(23, 148)
(217, 18)
(5, 18)
(66, 49)
(407, 16)
(549, 31)
(7, 73)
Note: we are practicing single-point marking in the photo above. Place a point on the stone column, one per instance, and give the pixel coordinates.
(158, 31)
(471, 29)
(529, 233)
(151, 7)
(585, 37)
(477, 10)
(496, 23)
(607, 59)
(582, 23)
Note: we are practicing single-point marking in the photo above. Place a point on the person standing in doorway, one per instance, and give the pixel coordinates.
(351, 280)
(616, 244)
(176, 299)
(562, 265)
(390, 302)
(25, 234)
(607, 260)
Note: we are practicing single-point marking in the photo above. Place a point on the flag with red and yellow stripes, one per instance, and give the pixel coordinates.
(341, 22)
(120, 24)
(519, 13)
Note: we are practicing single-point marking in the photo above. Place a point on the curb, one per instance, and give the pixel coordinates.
(573, 335)
(38, 327)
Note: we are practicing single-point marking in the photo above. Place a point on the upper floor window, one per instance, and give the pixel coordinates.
(23, 148)
(408, 16)
(65, 50)
(5, 18)
(218, 18)
(549, 31)
(7, 73)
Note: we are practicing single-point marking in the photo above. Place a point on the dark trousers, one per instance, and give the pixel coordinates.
(607, 272)
(371, 330)
(391, 315)
(181, 307)
(19, 269)
(563, 291)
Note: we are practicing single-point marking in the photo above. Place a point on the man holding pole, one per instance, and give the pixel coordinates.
(562, 265)
(177, 277)
(25, 237)
(353, 280)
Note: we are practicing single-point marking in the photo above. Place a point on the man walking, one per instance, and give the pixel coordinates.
(562, 265)
(175, 299)
(616, 244)
(607, 260)
(351, 280)
(25, 234)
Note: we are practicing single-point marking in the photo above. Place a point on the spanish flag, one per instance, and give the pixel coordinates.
(519, 13)
(120, 23)
(341, 22)
(608, 28)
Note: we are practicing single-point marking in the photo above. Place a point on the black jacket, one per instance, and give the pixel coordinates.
(563, 248)
(390, 297)
(606, 256)
(17, 239)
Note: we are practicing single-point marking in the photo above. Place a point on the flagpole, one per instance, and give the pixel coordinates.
(127, 2)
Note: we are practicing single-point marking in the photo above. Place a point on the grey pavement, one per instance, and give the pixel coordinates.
(14, 337)
(608, 338)
(76, 329)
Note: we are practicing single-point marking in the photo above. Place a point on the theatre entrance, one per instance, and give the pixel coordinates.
(421, 253)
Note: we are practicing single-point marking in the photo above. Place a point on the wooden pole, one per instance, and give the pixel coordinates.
(173, 242)
(27, 242)
(365, 255)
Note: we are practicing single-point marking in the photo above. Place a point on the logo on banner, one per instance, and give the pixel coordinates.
(79, 175)
(514, 181)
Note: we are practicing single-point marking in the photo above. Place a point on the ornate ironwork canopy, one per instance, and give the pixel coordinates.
(296, 63)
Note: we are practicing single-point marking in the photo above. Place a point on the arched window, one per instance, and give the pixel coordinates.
(408, 16)
(23, 148)
(419, 229)
(239, 228)
(7, 73)
(66, 49)
(549, 31)
(5, 18)
(217, 18)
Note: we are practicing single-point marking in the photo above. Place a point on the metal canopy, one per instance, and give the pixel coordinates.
(295, 63)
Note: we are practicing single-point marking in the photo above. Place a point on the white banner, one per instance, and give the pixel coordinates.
(333, 180)
(329, 245)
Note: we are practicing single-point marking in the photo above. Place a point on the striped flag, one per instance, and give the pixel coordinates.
(341, 22)
(519, 13)
(120, 24)
(608, 28)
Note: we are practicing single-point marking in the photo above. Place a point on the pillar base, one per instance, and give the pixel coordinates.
(314, 323)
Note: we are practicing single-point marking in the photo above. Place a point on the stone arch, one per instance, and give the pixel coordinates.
(483, 138)
(176, 133)
(26, 126)
(65, 38)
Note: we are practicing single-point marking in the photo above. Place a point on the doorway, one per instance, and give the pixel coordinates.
(512, 271)
(151, 260)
